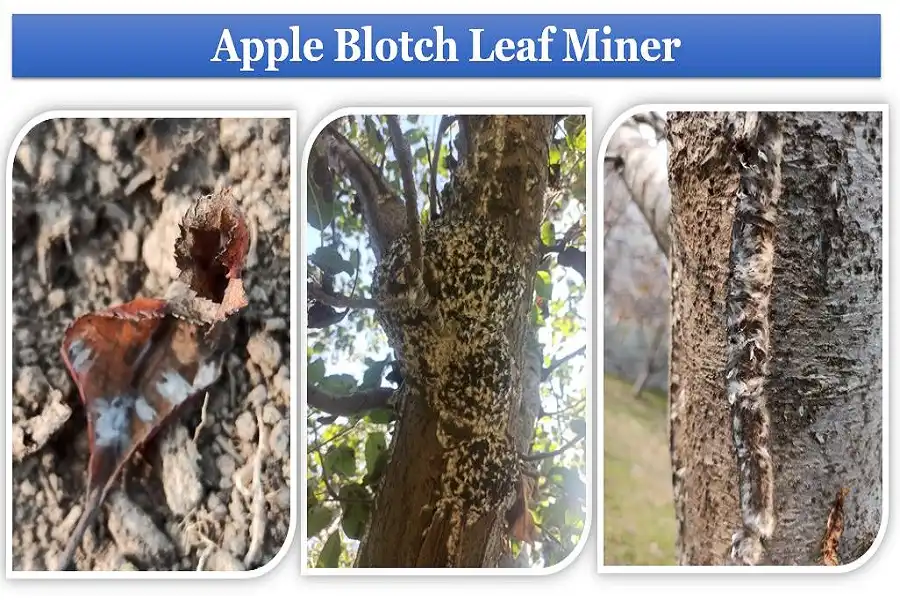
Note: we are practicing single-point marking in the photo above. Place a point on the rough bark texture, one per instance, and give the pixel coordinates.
(821, 396)
(466, 408)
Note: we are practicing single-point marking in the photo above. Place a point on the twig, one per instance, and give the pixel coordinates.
(204, 556)
(338, 301)
(405, 163)
(91, 506)
(382, 209)
(328, 488)
(258, 505)
(443, 126)
(557, 452)
(202, 422)
(558, 362)
(352, 404)
(335, 437)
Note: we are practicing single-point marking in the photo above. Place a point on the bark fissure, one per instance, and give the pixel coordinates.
(749, 289)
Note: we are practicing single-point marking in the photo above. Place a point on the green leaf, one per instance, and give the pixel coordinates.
(373, 136)
(318, 518)
(543, 285)
(315, 371)
(311, 500)
(581, 140)
(330, 557)
(555, 155)
(414, 136)
(372, 375)
(356, 508)
(338, 385)
(319, 212)
(578, 426)
(330, 260)
(375, 445)
(380, 416)
(421, 154)
(548, 233)
(376, 471)
(340, 460)
(537, 319)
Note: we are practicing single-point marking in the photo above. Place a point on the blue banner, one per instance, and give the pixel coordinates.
(432, 46)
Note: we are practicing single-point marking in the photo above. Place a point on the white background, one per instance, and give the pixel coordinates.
(21, 100)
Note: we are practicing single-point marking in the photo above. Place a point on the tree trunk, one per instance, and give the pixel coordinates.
(776, 343)
(470, 378)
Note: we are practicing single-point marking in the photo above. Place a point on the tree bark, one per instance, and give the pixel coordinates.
(470, 380)
(807, 415)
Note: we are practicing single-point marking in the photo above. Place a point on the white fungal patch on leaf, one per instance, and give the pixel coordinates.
(80, 356)
(206, 375)
(144, 411)
(112, 425)
(174, 388)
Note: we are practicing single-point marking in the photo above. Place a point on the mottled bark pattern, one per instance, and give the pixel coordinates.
(823, 391)
(826, 376)
(461, 343)
(704, 185)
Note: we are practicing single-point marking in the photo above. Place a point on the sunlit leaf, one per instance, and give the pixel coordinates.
(555, 155)
(548, 233)
(543, 285)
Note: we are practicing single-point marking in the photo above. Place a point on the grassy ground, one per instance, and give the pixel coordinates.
(639, 519)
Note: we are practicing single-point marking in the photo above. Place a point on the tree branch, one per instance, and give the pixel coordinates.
(383, 211)
(558, 362)
(350, 405)
(443, 126)
(557, 452)
(336, 300)
(405, 162)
